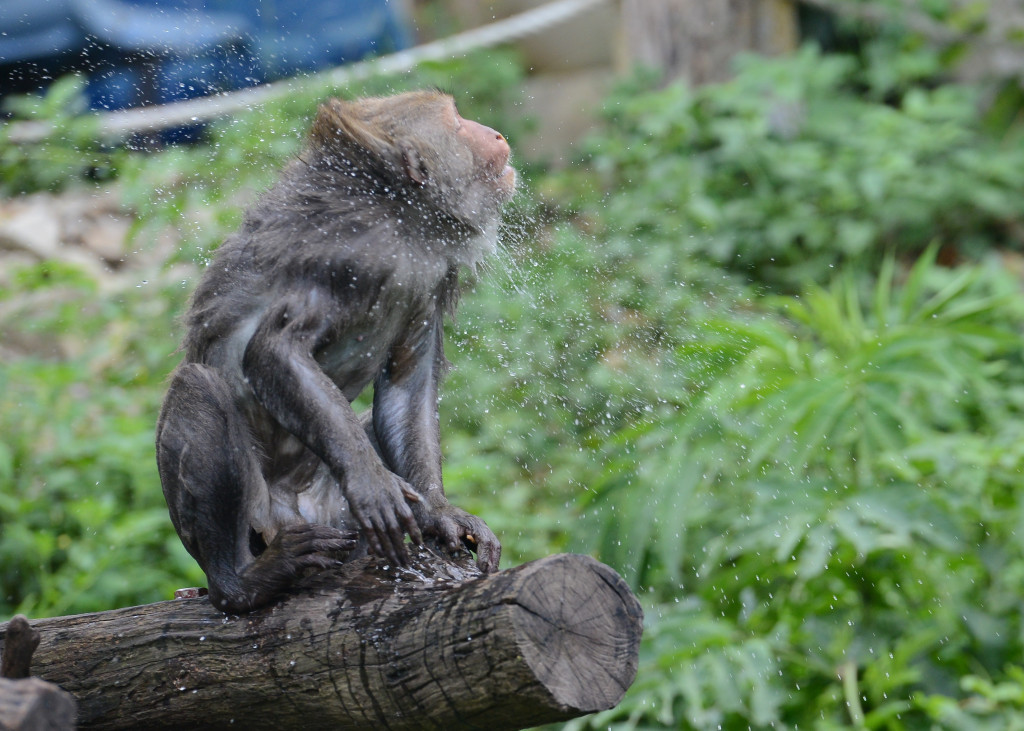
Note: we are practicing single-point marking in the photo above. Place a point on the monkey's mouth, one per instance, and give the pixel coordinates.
(505, 181)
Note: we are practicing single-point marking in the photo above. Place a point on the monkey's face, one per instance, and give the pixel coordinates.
(461, 163)
(420, 143)
(490, 154)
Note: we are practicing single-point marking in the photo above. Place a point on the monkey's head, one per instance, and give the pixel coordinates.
(419, 143)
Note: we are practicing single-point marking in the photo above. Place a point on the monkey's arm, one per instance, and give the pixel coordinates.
(405, 421)
(288, 382)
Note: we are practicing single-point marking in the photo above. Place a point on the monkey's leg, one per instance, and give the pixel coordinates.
(217, 495)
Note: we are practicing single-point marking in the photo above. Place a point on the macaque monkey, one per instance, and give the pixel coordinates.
(339, 277)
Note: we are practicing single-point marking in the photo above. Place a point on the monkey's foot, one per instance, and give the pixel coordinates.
(294, 549)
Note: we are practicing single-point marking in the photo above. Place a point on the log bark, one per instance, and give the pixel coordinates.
(432, 645)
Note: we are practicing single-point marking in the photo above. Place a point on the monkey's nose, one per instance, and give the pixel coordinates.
(500, 141)
(498, 136)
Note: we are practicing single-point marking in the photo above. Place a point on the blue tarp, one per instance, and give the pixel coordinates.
(145, 51)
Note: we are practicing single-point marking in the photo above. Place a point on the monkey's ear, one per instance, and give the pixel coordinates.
(415, 168)
(339, 122)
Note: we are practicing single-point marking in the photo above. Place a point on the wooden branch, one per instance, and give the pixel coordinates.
(365, 646)
(20, 641)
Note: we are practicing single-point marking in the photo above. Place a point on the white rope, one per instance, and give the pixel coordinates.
(119, 124)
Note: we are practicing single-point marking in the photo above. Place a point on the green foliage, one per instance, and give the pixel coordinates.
(787, 170)
(698, 671)
(813, 482)
(798, 491)
(80, 503)
(825, 482)
(69, 150)
(989, 705)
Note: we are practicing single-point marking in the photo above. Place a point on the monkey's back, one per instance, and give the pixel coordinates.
(364, 262)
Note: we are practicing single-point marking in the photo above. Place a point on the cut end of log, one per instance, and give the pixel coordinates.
(579, 628)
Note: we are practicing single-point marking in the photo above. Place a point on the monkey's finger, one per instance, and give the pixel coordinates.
(334, 545)
(488, 548)
(410, 494)
(330, 532)
(449, 532)
(488, 555)
(412, 527)
(330, 536)
(373, 542)
(405, 520)
(309, 531)
(399, 542)
(315, 561)
(392, 540)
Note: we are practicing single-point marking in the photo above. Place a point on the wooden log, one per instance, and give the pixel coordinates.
(430, 646)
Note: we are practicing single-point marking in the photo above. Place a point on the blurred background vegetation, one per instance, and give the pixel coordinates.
(758, 347)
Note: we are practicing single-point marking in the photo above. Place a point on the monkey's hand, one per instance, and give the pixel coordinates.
(455, 529)
(380, 504)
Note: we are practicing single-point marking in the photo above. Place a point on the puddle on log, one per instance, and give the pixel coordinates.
(371, 578)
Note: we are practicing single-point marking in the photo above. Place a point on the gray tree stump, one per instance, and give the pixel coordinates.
(431, 646)
(31, 704)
